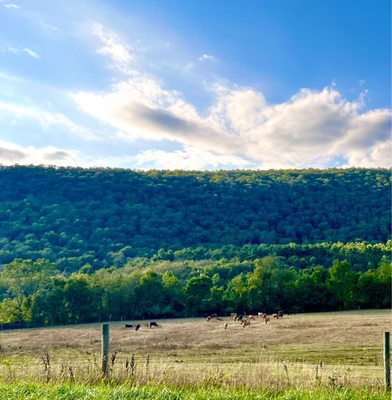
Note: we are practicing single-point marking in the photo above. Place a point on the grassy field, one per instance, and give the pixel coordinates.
(305, 351)
(56, 391)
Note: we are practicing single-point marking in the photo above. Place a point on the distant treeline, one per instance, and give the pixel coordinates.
(104, 217)
(35, 293)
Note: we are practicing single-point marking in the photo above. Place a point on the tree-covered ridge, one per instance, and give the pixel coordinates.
(74, 216)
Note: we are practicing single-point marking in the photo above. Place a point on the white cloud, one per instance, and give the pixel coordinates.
(113, 47)
(31, 53)
(11, 5)
(17, 50)
(188, 158)
(207, 57)
(309, 130)
(45, 118)
(11, 154)
(140, 108)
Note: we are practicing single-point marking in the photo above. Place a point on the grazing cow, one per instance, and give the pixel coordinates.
(252, 317)
(153, 323)
(240, 317)
(128, 325)
(233, 316)
(275, 315)
(137, 327)
(225, 325)
(245, 322)
(209, 318)
(266, 318)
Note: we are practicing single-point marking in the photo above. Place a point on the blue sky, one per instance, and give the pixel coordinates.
(189, 84)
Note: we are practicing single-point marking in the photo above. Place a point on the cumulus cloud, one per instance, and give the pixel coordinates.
(141, 108)
(313, 128)
(11, 154)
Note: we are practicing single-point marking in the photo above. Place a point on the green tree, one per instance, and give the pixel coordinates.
(341, 281)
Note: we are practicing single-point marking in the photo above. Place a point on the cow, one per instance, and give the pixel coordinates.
(209, 318)
(260, 314)
(245, 322)
(281, 313)
(240, 317)
(275, 315)
(153, 323)
(137, 327)
(214, 315)
(233, 316)
(128, 325)
(219, 318)
(266, 318)
(252, 317)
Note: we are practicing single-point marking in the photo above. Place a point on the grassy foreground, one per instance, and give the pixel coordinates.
(58, 391)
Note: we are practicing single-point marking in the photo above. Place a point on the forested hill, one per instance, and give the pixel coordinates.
(95, 215)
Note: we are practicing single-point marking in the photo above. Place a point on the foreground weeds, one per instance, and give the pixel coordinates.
(62, 391)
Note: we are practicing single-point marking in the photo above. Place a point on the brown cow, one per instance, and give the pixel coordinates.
(209, 318)
(245, 322)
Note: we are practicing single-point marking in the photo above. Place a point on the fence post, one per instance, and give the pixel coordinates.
(105, 349)
(387, 360)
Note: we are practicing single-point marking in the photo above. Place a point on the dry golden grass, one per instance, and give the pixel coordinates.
(303, 350)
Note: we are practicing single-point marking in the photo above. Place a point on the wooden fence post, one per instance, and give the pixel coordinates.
(387, 360)
(105, 349)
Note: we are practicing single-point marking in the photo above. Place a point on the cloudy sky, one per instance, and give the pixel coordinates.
(195, 84)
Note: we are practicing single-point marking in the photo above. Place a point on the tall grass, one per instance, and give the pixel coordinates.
(274, 374)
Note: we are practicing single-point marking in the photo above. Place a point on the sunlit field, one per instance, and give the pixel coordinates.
(332, 350)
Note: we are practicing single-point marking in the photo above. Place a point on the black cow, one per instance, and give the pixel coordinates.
(137, 327)
(128, 325)
(153, 323)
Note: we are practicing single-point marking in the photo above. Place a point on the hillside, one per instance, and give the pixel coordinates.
(106, 216)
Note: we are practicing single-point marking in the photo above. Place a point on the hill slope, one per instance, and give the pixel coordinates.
(92, 215)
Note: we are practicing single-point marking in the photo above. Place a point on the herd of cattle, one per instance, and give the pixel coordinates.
(242, 318)
(245, 319)
(151, 324)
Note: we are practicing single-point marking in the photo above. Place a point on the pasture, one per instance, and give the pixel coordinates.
(331, 350)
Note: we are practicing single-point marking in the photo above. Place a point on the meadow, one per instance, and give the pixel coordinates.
(323, 351)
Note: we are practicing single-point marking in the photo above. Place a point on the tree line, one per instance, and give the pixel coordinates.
(35, 293)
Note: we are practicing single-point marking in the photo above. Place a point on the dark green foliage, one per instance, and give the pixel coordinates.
(105, 217)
